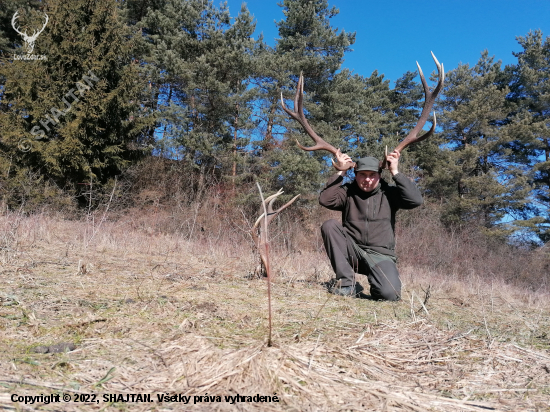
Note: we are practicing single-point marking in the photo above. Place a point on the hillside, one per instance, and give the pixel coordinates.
(152, 313)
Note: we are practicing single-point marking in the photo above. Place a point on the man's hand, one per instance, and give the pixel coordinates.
(392, 161)
(341, 160)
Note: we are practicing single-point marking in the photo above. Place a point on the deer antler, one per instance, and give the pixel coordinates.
(262, 241)
(412, 137)
(429, 100)
(298, 115)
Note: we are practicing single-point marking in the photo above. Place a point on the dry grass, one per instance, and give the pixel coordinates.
(152, 313)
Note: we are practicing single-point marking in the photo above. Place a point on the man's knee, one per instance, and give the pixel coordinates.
(386, 284)
(330, 226)
(389, 292)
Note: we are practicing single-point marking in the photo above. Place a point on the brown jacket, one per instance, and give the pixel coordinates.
(369, 218)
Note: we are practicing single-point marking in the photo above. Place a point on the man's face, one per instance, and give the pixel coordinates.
(367, 180)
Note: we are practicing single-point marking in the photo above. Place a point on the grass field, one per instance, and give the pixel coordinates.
(156, 314)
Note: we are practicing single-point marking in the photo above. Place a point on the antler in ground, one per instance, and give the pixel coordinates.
(262, 241)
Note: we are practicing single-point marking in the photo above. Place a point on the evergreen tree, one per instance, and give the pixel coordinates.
(72, 118)
(473, 174)
(357, 113)
(530, 90)
(203, 65)
(310, 45)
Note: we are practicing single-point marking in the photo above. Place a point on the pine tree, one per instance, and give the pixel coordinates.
(309, 44)
(75, 111)
(472, 173)
(203, 65)
(11, 115)
(356, 115)
(530, 90)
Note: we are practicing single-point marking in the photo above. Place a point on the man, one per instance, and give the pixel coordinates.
(365, 241)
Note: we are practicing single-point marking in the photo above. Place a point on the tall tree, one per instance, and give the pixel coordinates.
(471, 171)
(309, 44)
(76, 111)
(530, 91)
(309, 41)
(203, 62)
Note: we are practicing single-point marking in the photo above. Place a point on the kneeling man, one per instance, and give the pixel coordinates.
(365, 241)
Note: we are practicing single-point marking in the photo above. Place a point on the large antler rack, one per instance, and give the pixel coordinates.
(429, 101)
(412, 137)
(262, 240)
(298, 115)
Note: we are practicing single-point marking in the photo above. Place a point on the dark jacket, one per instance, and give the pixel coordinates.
(369, 217)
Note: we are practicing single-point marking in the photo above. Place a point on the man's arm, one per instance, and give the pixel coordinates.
(333, 196)
(407, 195)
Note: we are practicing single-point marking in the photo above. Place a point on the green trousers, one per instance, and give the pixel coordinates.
(347, 258)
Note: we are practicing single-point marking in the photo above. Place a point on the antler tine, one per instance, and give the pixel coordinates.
(292, 114)
(270, 213)
(273, 196)
(269, 202)
(428, 133)
(429, 100)
(299, 100)
(298, 115)
(283, 207)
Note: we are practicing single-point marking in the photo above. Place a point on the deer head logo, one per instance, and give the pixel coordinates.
(29, 40)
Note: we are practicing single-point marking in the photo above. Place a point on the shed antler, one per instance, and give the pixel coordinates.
(429, 100)
(298, 115)
(412, 137)
(262, 240)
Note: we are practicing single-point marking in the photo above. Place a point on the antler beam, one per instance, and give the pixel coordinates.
(429, 101)
(298, 115)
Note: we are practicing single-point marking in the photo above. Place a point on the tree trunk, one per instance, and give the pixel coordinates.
(234, 171)
(269, 131)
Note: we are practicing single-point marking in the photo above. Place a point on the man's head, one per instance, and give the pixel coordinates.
(367, 173)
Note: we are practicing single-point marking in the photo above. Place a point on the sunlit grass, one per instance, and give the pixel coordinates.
(155, 313)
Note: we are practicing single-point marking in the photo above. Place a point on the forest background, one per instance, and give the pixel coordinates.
(184, 118)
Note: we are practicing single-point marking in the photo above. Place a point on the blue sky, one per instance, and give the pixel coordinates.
(392, 35)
